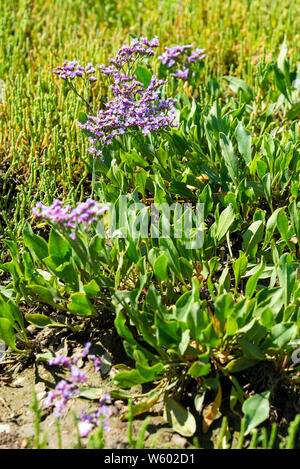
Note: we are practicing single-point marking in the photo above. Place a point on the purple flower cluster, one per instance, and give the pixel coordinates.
(138, 48)
(60, 396)
(85, 353)
(183, 57)
(84, 214)
(182, 74)
(73, 69)
(64, 390)
(88, 422)
(133, 107)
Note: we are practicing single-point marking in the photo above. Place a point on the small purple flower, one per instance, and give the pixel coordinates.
(172, 54)
(94, 151)
(153, 43)
(61, 360)
(60, 396)
(78, 376)
(90, 69)
(50, 397)
(85, 428)
(136, 50)
(182, 57)
(97, 362)
(87, 422)
(86, 349)
(69, 70)
(107, 70)
(183, 74)
(196, 55)
(73, 69)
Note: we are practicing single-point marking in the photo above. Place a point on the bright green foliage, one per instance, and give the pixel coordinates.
(202, 315)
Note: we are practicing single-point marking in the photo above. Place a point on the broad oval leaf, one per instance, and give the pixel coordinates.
(160, 268)
(59, 246)
(280, 335)
(244, 139)
(252, 236)
(237, 84)
(225, 221)
(80, 305)
(256, 410)
(34, 242)
(7, 334)
(181, 420)
(40, 320)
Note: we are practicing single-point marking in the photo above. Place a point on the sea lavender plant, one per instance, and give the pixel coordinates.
(133, 108)
(66, 390)
(68, 218)
(138, 49)
(73, 69)
(182, 57)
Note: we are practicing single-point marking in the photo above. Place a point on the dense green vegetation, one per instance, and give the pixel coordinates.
(194, 321)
